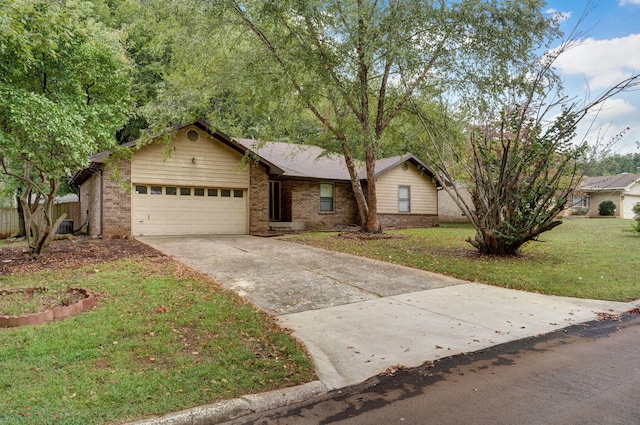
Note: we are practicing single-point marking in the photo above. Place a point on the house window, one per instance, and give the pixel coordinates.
(580, 201)
(225, 193)
(198, 191)
(170, 190)
(185, 191)
(238, 193)
(141, 190)
(326, 197)
(156, 190)
(404, 198)
(212, 192)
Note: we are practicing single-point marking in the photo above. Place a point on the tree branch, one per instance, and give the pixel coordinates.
(274, 52)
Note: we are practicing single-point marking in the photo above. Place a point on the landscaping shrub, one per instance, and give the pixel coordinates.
(580, 211)
(636, 217)
(606, 208)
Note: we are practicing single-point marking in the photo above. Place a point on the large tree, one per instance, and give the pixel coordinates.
(521, 163)
(64, 92)
(349, 65)
(354, 64)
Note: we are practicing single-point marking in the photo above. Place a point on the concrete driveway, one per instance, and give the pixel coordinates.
(360, 317)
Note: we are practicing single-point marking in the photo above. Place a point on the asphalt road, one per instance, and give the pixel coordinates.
(586, 374)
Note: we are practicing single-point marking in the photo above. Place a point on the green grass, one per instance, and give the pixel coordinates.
(162, 339)
(29, 302)
(585, 258)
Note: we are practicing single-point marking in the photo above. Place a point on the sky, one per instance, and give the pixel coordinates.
(609, 51)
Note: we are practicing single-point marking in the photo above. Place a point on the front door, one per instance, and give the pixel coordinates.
(274, 201)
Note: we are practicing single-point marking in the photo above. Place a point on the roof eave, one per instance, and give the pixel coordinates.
(85, 174)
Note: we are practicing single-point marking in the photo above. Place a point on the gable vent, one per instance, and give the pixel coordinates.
(193, 135)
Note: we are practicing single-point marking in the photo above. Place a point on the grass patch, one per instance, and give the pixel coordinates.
(35, 300)
(585, 258)
(161, 339)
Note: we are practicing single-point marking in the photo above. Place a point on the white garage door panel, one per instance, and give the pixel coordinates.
(629, 202)
(176, 214)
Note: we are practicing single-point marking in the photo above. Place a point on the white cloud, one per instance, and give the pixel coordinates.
(626, 2)
(614, 108)
(602, 62)
(560, 16)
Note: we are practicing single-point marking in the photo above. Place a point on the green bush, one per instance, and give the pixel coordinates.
(579, 211)
(606, 208)
(636, 212)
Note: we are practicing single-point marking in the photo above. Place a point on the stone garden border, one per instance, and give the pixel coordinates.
(88, 301)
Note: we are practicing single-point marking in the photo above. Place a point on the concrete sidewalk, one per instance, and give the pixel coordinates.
(360, 317)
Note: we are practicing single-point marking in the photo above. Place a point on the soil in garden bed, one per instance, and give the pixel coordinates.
(71, 254)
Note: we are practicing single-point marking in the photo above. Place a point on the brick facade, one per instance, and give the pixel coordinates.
(301, 203)
(258, 200)
(407, 221)
(109, 217)
(116, 202)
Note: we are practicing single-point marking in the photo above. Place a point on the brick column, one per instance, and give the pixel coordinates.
(116, 201)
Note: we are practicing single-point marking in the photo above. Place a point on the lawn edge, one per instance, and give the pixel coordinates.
(227, 410)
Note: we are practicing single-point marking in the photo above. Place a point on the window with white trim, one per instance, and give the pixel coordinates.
(580, 201)
(404, 198)
(326, 197)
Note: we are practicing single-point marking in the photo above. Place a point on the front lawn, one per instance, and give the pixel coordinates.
(585, 258)
(162, 338)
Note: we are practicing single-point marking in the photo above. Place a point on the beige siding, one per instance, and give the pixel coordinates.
(424, 196)
(596, 199)
(205, 162)
(448, 210)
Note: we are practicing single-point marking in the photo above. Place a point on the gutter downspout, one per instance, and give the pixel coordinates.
(101, 204)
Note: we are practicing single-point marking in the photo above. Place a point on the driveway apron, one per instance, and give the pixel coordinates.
(360, 317)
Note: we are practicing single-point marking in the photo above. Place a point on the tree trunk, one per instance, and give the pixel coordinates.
(361, 201)
(22, 230)
(372, 225)
(39, 225)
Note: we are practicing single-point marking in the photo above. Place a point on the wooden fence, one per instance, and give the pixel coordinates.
(9, 217)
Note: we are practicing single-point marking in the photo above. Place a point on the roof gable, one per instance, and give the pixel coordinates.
(620, 182)
(98, 159)
(386, 164)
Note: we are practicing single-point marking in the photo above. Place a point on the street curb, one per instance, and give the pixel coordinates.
(227, 410)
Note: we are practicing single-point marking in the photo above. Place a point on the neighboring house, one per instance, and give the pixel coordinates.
(448, 210)
(622, 189)
(212, 184)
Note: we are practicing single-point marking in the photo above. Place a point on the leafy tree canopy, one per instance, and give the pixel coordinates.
(64, 92)
(614, 164)
(524, 164)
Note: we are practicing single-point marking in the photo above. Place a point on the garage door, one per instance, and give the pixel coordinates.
(628, 203)
(171, 210)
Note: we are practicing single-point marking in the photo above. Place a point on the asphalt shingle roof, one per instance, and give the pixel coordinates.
(313, 162)
(291, 160)
(617, 182)
(304, 161)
